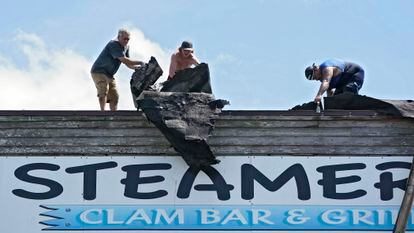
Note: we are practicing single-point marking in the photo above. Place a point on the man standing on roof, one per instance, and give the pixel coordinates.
(336, 77)
(182, 59)
(107, 64)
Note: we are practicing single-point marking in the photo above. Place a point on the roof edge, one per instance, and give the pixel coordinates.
(224, 113)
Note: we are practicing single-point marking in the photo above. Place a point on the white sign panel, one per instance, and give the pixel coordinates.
(163, 194)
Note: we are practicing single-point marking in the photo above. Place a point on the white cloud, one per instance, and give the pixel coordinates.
(52, 80)
(142, 48)
(59, 79)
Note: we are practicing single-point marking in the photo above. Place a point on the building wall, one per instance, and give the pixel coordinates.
(290, 133)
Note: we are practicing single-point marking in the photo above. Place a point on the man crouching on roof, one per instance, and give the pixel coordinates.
(336, 77)
(182, 59)
(107, 64)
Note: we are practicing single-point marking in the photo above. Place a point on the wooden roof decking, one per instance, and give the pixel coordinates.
(266, 133)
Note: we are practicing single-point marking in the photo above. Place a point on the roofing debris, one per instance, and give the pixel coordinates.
(184, 111)
(144, 77)
(346, 101)
(195, 79)
(306, 106)
(186, 120)
(403, 108)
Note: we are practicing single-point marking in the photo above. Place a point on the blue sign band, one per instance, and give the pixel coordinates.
(223, 217)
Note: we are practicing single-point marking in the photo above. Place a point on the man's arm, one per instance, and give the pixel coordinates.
(327, 74)
(195, 59)
(173, 66)
(132, 64)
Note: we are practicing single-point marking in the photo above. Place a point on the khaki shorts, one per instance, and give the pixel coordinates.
(106, 87)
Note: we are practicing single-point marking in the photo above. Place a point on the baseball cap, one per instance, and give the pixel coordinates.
(309, 72)
(186, 45)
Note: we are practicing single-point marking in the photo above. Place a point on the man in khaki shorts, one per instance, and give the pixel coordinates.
(107, 64)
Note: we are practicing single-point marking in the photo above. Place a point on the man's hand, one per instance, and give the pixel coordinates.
(318, 99)
(138, 66)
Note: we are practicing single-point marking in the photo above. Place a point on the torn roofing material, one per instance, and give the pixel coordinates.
(346, 101)
(404, 108)
(185, 111)
(306, 106)
(195, 79)
(186, 120)
(144, 77)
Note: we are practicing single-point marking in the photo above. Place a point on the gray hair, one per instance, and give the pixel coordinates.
(123, 31)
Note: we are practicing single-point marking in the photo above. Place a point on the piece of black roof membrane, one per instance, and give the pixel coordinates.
(348, 101)
(185, 112)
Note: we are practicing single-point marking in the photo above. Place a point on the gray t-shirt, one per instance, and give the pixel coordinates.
(107, 62)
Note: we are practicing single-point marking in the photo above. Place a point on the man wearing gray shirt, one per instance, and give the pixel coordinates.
(107, 64)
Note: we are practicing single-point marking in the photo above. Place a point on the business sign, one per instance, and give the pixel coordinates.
(163, 194)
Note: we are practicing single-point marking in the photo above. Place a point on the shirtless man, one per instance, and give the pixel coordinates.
(182, 59)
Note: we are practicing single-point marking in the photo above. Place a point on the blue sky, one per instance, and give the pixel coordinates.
(257, 50)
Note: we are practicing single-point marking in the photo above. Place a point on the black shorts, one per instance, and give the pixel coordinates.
(353, 77)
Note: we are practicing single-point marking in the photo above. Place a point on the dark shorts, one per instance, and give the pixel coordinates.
(349, 88)
(355, 80)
